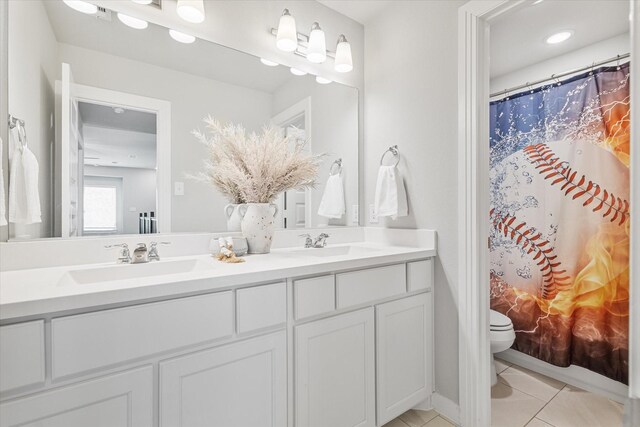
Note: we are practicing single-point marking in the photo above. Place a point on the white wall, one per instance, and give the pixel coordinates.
(138, 191)
(411, 100)
(192, 99)
(33, 47)
(600, 51)
(334, 132)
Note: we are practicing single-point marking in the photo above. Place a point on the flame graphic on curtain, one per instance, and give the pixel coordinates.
(559, 239)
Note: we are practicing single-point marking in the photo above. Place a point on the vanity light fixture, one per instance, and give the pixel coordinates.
(191, 10)
(181, 37)
(82, 6)
(269, 63)
(130, 21)
(317, 49)
(297, 72)
(559, 37)
(344, 62)
(287, 36)
(323, 81)
(142, 1)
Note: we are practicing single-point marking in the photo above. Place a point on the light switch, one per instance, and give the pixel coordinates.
(178, 188)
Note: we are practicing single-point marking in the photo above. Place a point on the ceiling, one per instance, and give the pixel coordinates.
(154, 46)
(126, 139)
(361, 11)
(518, 37)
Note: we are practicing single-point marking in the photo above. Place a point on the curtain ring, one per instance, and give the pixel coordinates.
(618, 62)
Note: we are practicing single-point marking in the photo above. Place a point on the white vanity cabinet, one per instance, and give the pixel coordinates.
(335, 371)
(236, 385)
(120, 400)
(350, 348)
(403, 355)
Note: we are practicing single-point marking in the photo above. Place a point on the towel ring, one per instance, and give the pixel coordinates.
(337, 163)
(393, 150)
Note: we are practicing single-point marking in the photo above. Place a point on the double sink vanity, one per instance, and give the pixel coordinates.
(337, 336)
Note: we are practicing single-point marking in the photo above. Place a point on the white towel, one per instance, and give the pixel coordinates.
(3, 208)
(24, 197)
(332, 204)
(391, 197)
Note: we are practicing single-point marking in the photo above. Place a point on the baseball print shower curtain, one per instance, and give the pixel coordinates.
(559, 232)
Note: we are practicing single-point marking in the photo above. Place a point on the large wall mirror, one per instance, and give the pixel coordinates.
(106, 113)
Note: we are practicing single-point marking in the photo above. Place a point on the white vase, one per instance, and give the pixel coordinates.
(258, 225)
(233, 217)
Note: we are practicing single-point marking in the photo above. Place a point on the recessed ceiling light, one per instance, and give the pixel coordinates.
(297, 72)
(132, 22)
(559, 37)
(181, 37)
(118, 110)
(269, 63)
(191, 10)
(82, 6)
(322, 80)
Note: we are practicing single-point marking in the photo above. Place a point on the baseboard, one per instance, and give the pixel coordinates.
(446, 407)
(572, 375)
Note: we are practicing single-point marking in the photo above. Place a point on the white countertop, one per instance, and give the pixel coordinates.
(40, 291)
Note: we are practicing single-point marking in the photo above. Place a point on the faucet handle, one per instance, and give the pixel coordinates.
(125, 255)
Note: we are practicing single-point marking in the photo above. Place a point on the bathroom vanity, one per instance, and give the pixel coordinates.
(339, 336)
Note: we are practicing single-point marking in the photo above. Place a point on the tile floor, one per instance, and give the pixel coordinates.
(416, 418)
(525, 398)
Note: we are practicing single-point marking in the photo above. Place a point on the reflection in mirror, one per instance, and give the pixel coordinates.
(109, 111)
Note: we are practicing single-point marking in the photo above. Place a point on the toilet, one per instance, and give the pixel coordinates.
(502, 335)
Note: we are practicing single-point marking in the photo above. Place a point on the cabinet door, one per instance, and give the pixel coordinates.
(241, 384)
(334, 367)
(120, 400)
(403, 355)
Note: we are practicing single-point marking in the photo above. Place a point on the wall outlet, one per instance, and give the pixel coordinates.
(373, 215)
(178, 188)
(355, 214)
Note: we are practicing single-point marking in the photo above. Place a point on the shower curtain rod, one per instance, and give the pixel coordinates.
(557, 76)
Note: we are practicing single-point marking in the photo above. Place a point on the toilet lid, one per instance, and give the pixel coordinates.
(499, 321)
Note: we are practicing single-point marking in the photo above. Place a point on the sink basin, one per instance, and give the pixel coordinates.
(131, 271)
(336, 251)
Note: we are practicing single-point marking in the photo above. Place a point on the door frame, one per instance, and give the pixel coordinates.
(162, 110)
(473, 208)
(302, 107)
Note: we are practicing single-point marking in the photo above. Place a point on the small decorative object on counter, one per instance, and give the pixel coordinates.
(147, 223)
(226, 253)
(253, 170)
(153, 223)
(240, 246)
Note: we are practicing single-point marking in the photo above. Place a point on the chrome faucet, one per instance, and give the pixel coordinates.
(319, 242)
(140, 254)
(125, 256)
(153, 250)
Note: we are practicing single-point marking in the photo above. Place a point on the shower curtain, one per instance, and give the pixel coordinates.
(559, 231)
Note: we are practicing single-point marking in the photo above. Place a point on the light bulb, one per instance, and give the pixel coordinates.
(269, 63)
(191, 10)
(132, 22)
(322, 80)
(82, 6)
(287, 36)
(297, 72)
(181, 37)
(559, 37)
(344, 62)
(317, 49)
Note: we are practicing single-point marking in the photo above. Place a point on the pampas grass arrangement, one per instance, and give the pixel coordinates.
(254, 168)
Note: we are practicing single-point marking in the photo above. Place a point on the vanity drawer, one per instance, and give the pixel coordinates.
(89, 341)
(359, 287)
(314, 296)
(21, 355)
(420, 275)
(261, 307)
